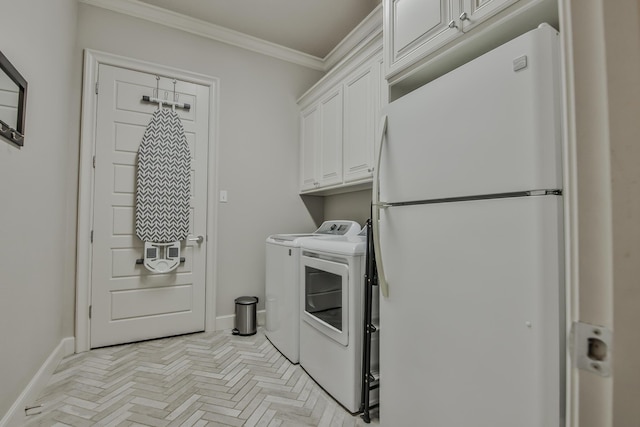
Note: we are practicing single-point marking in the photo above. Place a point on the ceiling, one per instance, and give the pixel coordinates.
(314, 27)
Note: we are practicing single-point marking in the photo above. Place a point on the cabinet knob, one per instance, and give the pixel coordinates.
(452, 24)
(464, 16)
(370, 170)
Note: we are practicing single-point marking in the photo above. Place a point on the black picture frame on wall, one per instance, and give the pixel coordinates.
(13, 130)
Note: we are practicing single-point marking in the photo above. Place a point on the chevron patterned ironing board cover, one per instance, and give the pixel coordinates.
(163, 186)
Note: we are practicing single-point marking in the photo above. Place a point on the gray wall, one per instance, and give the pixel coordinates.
(605, 73)
(257, 165)
(355, 206)
(257, 137)
(37, 238)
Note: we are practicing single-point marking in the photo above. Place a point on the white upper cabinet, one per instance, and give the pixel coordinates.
(337, 121)
(413, 28)
(309, 139)
(360, 101)
(426, 38)
(476, 11)
(330, 147)
(321, 142)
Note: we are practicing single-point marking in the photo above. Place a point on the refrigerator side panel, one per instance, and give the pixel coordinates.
(470, 332)
(490, 126)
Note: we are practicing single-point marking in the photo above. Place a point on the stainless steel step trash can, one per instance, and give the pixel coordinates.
(245, 316)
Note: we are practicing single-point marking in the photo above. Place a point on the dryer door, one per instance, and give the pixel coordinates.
(325, 296)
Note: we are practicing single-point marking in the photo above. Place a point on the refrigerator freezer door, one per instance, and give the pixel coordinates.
(487, 127)
(471, 330)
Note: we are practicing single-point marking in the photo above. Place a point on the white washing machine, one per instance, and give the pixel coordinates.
(282, 284)
(332, 316)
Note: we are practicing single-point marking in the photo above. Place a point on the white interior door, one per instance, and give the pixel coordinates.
(129, 303)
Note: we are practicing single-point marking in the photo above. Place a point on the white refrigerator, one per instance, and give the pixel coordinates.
(468, 222)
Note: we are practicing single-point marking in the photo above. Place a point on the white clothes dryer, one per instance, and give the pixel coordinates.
(332, 316)
(282, 284)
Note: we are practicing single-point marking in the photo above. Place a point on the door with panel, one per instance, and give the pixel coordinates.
(330, 144)
(477, 11)
(128, 302)
(321, 142)
(415, 28)
(310, 138)
(361, 92)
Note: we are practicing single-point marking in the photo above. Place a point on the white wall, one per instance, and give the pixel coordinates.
(36, 237)
(604, 72)
(355, 206)
(622, 25)
(257, 137)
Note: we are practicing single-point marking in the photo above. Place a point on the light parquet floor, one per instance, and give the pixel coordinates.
(197, 380)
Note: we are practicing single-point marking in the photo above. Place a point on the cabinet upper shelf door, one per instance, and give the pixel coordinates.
(337, 123)
(360, 98)
(309, 140)
(424, 39)
(331, 139)
(417, 27)
(477, 11)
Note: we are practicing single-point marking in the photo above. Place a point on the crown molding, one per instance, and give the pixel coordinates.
(367, 30)
(199, 27)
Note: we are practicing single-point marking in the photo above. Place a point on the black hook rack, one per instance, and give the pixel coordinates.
(141, 260)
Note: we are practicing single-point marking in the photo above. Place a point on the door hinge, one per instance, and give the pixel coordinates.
(592, 346)
(90, 310)
(91, 236)
(94, 162)
(97, 85)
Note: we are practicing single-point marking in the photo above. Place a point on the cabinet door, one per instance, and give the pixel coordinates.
(309, 139)
(415, 28)
(360, 99)
(383, 98)
(330, 146)
(477, 11)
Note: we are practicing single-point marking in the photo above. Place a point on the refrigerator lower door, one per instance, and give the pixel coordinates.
(471, 333)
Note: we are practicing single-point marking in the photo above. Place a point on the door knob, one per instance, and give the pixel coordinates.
(198, 239)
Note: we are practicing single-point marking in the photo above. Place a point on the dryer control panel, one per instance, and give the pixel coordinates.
(339, 228)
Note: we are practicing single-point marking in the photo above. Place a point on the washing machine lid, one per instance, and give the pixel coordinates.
(328, 228)
(289, 237)
(353, 245)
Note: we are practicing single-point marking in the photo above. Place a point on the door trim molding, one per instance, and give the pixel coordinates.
(92, 60)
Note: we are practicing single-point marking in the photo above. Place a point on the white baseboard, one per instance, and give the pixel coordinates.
(228, 322)
(16, 415)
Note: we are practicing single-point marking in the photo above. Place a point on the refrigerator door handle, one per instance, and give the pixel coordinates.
(382, 281)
